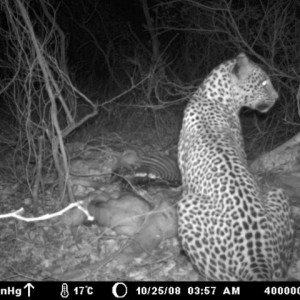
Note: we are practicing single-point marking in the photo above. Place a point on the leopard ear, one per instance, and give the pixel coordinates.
(242, 57)
(243, 67)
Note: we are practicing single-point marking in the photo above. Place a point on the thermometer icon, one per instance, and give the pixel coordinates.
(64, 291)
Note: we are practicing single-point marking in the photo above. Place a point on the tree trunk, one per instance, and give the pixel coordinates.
(281, 166)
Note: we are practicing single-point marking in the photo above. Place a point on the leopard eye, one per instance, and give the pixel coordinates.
(264, 83)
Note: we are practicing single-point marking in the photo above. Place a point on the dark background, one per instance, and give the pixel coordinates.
(139, 61)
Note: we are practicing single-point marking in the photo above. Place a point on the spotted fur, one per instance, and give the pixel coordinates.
(229, 228)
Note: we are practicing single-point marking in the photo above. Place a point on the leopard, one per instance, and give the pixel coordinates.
(230, 227)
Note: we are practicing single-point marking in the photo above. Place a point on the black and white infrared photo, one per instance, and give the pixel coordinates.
(150, 145)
